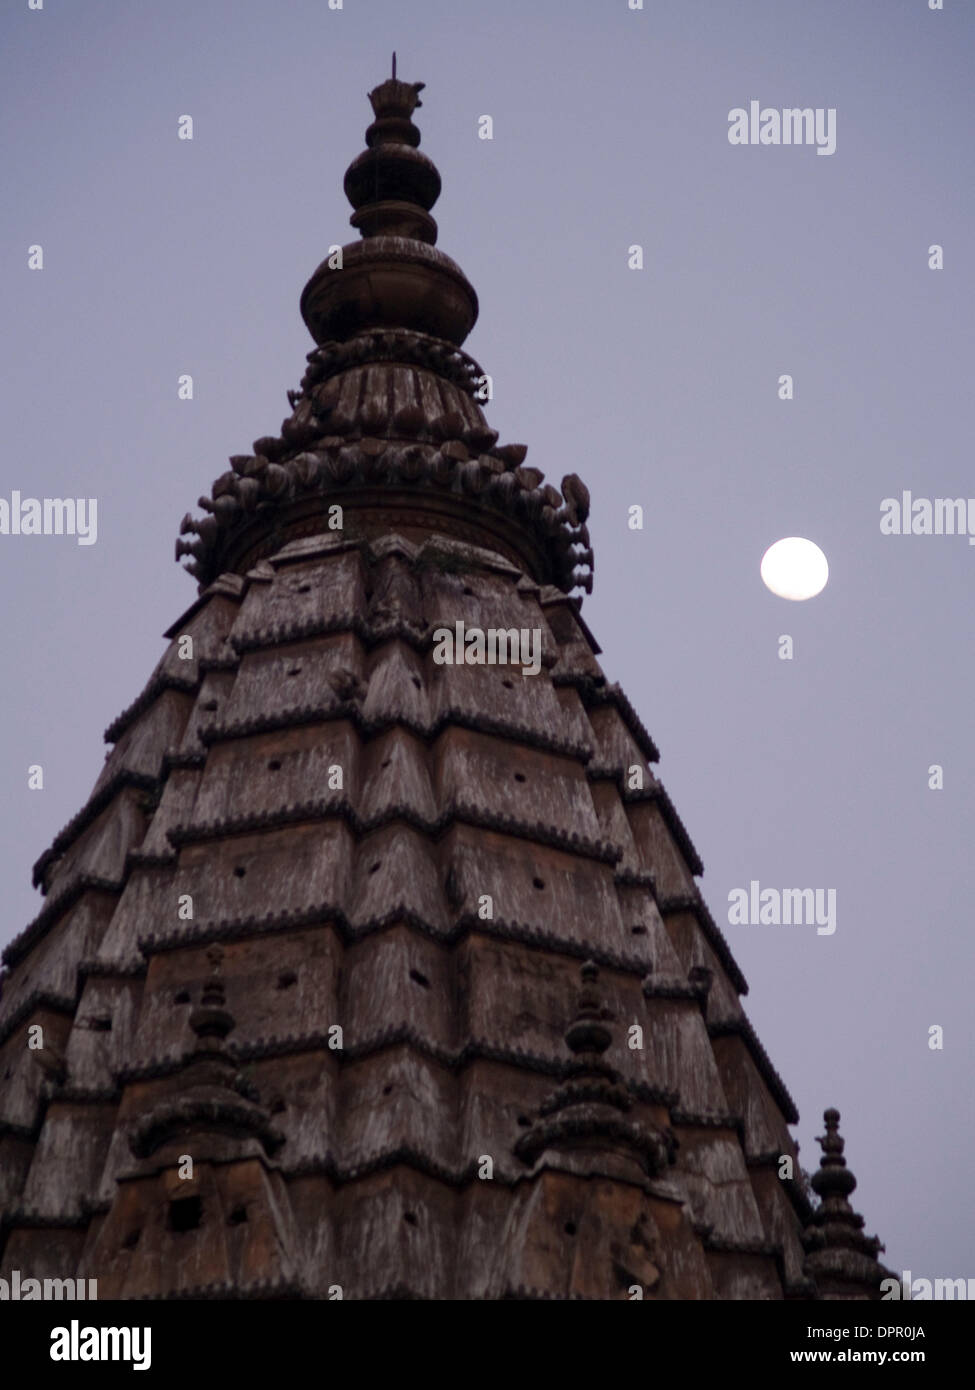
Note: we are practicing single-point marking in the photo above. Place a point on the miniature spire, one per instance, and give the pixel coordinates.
(586, 1035)
(842, 1260)
(588, 1115)
(211, 1021)
(209, 1095)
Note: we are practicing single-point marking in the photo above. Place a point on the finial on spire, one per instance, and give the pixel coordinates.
(587, 1033)
(211, 1020)
(833, 1178)
(391, 186)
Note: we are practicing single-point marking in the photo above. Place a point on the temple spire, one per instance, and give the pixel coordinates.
(842, 1260)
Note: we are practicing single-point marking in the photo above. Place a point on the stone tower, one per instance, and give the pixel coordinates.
(375, 965)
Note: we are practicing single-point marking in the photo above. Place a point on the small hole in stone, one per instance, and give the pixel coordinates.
(570, 1228)
(519, 777)
(102, 1023)
(286, 979)
(209, 704)
(240, 871)
(410, 1217)
(304, 588)
(538, 883)
(183, 997)
(275, 765)
(507, 685)
(524, 1121)
(386, 1090)
(277, 1107)
(185, 1213)
(294, 670)
(374, 867)
(237, 1216)
(468, 590)
(639, 931)
(419, 979)
(386, 763)
(416, 681)
(131, 1240)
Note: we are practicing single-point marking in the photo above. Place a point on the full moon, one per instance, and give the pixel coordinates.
(794, 568)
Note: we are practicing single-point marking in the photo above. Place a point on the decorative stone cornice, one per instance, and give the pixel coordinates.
(635, 878)
(186, 685)
(55, 908)
(501, 929)
(90, 812)
(435, 355)
(454, 1060)
(226, 585)
(717, 1119)
(220, 732)
(189, 760)
(657, 987)
(266, 1290)
(188, 1114)
(695, 904)
(455, 813)
(102, 967)
(742, 1028)
(656, 793)
(259, 495)
(599, 693)
(35, 1001)
(138, 858)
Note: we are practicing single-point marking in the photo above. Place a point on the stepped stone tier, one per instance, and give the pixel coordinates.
(407, 957)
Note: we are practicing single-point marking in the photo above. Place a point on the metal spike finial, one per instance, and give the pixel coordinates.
(394, 65)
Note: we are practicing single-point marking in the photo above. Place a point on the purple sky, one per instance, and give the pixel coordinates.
(658, 387)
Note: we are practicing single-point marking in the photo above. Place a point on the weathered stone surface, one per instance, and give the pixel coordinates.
(409, 957)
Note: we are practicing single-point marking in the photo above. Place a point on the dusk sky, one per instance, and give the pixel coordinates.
(659, 387)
